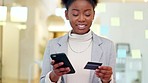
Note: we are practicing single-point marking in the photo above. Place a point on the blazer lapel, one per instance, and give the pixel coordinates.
(62, 45)
(97, 53)
(96, 49)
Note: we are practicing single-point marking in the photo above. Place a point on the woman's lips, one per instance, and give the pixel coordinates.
(81, 26)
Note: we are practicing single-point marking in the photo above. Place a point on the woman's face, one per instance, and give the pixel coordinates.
(80, 15)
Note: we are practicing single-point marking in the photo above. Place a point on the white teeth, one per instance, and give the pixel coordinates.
(81, 26)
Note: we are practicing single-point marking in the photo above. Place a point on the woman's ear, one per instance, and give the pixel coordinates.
(66, 14)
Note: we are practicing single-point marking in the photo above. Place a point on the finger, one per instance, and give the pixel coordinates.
(100, 75)
(58, 72)
(67, 69)
(62, 71)
(105, 72)
(103, 76)
(58, 65)
(100, 71)
(106, 76)
(52, 62)
(105, 68)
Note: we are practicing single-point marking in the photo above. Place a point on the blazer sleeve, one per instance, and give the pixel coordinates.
(46, 66)
(112, 62)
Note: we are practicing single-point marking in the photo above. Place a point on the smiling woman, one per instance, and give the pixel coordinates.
(81, 45)
(80, 15)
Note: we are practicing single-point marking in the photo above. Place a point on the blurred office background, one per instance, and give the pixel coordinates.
(27, 25)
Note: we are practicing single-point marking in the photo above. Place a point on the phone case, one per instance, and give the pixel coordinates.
(61, 57)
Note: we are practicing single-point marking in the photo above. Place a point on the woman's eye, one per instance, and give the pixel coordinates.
(87, 15)
(75, 14)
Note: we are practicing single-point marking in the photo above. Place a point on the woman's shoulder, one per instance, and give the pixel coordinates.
(102, 39)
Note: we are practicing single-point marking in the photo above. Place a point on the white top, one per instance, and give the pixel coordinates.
(79, 53)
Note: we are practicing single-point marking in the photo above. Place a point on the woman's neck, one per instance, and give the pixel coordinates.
(79, 37)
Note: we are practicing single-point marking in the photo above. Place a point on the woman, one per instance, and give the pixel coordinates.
(80, 45)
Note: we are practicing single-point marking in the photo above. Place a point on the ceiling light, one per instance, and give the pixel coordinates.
(3, 13)
(18, 14)
(145, 0)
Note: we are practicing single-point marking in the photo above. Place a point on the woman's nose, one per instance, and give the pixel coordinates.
(81, 18)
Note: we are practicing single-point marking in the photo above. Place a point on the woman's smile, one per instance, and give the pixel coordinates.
(81, 26)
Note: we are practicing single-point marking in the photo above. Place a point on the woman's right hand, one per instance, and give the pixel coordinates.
(57, 72)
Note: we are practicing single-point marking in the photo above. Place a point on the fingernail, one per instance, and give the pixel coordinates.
(61, 63)
(97, 69)
(68, 68)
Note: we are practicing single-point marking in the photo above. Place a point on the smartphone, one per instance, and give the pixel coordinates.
(61, 57)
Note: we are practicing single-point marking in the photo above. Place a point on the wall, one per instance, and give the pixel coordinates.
(1, 51)
(130, 31)
(27, 42)
(24, 44)
(10, 51)
(31, 38)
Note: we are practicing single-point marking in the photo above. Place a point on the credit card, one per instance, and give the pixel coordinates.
(92, 65)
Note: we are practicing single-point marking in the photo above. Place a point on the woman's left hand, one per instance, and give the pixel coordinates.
(104, 73)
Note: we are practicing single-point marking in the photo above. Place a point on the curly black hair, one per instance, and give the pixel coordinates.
(67, 3)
